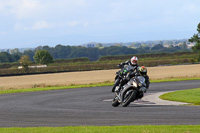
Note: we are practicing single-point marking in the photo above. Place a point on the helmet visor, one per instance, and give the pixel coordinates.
(134, 62)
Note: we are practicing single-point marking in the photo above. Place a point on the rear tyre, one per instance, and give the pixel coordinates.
(115, 102)
(128, 97)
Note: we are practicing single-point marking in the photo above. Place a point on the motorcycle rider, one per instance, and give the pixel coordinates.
(135, 66)
(143, 72)
(132, 62)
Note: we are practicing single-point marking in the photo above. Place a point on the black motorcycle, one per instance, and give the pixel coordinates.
(133, 90)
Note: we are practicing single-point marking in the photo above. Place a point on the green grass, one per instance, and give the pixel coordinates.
(107, 129)
(189, 96)
(173, 79)
(13, 90)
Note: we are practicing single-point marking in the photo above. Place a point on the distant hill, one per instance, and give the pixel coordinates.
(18, 49)
(149, 43)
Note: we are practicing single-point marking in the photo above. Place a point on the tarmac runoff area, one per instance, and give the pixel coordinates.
(153, 99)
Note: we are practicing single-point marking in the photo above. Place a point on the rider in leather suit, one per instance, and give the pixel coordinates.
(133, 63)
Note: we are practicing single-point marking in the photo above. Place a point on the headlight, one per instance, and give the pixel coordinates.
(134, 84)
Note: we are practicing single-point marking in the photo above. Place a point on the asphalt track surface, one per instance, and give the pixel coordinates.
(87, 107)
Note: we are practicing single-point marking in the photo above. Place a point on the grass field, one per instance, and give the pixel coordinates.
(190, 96)
(107, 129)
(91, 77)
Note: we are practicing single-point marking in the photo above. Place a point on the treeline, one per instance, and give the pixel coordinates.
(93, 53)
(152, 56)
(6, 57)
(105, 62)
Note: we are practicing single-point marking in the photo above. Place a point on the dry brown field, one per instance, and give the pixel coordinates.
(99, 76)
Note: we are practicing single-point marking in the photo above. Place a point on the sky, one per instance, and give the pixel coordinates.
(32, 23)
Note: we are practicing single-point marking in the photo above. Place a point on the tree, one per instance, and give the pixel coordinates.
(119, 45)
(158, 47)
(14, 51)
(135, 45)
(30, 53)
(6, 57)
(43, 57)
(196, 39)
(183, 46)
(25, 61)
(99, 45)
(62, 52)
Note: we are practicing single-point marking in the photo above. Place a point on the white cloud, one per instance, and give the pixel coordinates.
(38, 25)
(73, 24)
(49, 9)
(41, 25)
(20, 8)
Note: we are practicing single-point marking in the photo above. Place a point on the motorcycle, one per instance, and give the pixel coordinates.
(133, 90)
(121, 74)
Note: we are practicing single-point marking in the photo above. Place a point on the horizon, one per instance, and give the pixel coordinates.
(33, 23)
(96, 43)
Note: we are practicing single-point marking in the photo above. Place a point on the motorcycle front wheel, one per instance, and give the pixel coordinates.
(128, 97)
(115, 102)
(117, 81)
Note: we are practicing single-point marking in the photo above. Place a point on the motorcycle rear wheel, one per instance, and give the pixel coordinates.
(128, 98)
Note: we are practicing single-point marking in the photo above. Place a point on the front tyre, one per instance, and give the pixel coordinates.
(128, 97)
(115, 102)
(117, 81)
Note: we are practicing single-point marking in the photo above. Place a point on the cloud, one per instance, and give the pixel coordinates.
(41, 25)
(38, 25)
(25, 8)
(37, 9)
(43, 14)
(20, 8)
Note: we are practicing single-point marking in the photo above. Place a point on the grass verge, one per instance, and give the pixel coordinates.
(107, 83)
(13, 90)
(107, 129)
(189, 96)
(174, 79)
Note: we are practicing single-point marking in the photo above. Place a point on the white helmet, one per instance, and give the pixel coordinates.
(134, 60)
